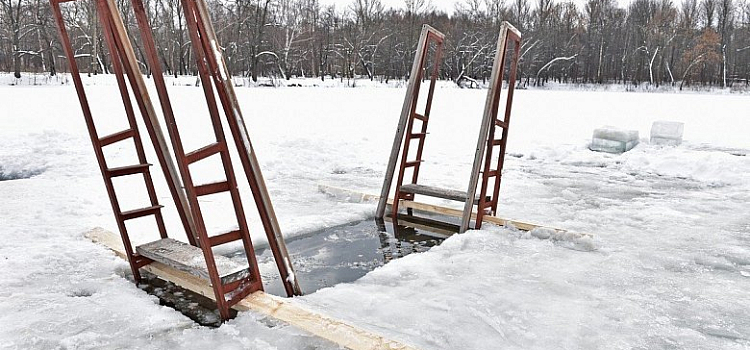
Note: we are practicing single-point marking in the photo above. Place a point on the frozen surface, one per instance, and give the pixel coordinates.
(667, 133)
(669, 268)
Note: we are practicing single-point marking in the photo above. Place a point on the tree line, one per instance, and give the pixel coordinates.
(647, 42)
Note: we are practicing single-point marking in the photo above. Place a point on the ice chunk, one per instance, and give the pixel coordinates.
(615, 134)
(666, 133)
(613, 140)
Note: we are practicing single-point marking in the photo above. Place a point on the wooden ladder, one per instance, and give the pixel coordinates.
(487, 141)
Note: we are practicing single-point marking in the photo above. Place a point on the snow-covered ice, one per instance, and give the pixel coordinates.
(668, 268)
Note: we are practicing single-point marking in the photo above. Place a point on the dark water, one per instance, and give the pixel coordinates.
(321, 259)
(345, 253)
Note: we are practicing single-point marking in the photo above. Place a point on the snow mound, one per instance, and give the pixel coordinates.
(565, 239)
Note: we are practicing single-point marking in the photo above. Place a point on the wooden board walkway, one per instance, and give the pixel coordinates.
(359, 197)
(283, 309)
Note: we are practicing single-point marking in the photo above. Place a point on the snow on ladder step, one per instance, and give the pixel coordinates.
(431, 191)
(190, 259)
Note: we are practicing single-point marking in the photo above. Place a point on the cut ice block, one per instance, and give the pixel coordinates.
(666, 133)
(613, 140)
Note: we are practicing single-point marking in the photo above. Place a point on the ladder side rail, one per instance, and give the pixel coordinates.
(247, 155)
(178, 194)
(204, 242)
(487, 169)
(128, 103)
(430, 94)
(516, 38)
(203, 68)
(401, 128)
(140, 91)
(86, 109)
(487, 121)
(420, 59)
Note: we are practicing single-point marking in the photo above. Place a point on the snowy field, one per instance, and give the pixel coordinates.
(669, 267)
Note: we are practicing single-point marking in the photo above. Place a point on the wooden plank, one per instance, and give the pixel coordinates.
(432, 228)
(283, 309)
(190, 259)
(432, 191)
(358, 197)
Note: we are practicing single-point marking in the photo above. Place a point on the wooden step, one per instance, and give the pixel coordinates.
(431, 191)
(204, 152)
(212, 188)
(116, 137)
(420, 117)
(128, 170)
(188, 258)
(501, 123)
(225, 238)
(141, 212)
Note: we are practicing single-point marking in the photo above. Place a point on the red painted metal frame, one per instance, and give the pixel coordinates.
(489, 207)
(252, 283)
(206, 47)
(413, 115)
(135, 260)
(210, 66)
(226, 294)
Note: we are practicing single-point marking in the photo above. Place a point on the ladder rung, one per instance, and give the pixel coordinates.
(501, 123)
(420, 117)
(204, 152)
(431, 191)
(128, 170)
(137, 213)
(497, 142)
(413, 163)
(225, 238)
(216, 187)
(417, 135)
(492, 173)
(116, 137)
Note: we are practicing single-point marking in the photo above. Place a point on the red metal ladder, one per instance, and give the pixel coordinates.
(230, 282)
(206, 45)
(429, 36)
(486, 143)
(121, 216)
(488, 203)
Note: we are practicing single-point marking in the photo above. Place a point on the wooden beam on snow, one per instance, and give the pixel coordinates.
(359, 197)
(283, 309)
